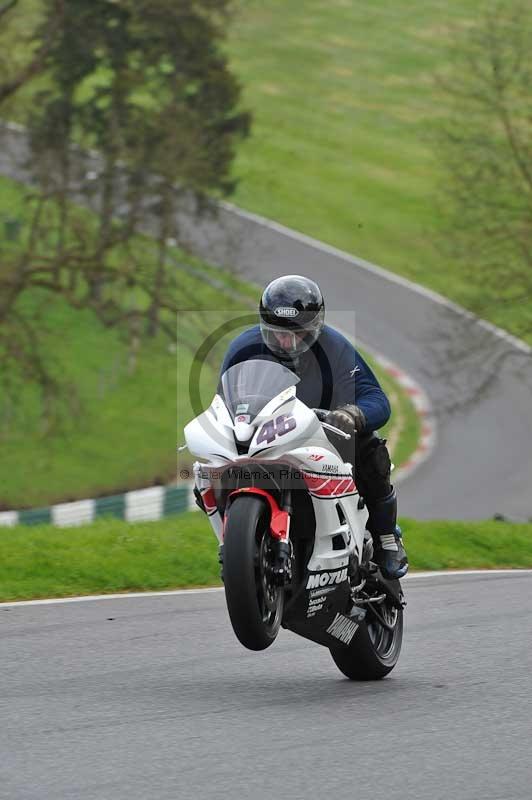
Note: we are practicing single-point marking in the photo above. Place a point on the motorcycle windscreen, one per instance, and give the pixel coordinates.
(248, 386)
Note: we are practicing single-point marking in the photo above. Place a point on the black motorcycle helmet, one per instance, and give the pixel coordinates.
(291, 310)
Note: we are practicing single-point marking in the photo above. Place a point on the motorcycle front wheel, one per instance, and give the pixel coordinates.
(254, 602)
(375, 648)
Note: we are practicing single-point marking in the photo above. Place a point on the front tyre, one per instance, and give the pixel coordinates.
(254, 602)
(376, 647)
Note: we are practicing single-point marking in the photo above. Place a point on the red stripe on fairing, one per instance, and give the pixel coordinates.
(343, 486)
(331, 487)
(315, 484)
(323, 486)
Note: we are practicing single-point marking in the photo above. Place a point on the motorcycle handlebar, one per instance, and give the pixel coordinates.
(321, 414)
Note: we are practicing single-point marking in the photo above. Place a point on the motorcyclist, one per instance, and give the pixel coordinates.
(333, 376)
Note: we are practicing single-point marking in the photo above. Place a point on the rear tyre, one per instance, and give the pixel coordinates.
(375, 649)
(254, 602)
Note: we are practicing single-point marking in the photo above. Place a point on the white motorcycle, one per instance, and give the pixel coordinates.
(291, 525)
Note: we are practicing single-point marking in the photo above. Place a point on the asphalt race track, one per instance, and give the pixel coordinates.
(154, 698)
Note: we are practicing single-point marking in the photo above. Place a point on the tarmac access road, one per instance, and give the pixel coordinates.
(482, 464)
(153, 697)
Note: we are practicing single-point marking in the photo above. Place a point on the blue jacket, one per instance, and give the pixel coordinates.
(332, 373)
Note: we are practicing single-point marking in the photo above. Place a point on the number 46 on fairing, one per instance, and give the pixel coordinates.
(270, 430)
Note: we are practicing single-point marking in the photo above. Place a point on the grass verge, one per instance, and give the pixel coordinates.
(114, 556)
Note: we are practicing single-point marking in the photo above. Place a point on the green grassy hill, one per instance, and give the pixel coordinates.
(344, 98)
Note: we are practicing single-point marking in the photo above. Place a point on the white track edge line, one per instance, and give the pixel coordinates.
(119, 596)
(212, 589)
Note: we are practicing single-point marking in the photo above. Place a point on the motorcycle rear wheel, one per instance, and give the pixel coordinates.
(375, 650)
(254, 603)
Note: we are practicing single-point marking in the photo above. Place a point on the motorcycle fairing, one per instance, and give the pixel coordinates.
(210, 435)
(320, 614)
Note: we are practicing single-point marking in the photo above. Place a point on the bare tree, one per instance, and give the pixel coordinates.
(147, 86)
(485, 146)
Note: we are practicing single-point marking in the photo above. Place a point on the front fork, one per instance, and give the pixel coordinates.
(282, 570)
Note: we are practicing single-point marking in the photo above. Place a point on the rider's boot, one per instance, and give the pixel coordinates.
(388, 550)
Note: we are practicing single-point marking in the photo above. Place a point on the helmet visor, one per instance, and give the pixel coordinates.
(291, 341)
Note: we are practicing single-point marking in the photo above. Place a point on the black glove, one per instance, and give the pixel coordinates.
(349, 419)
